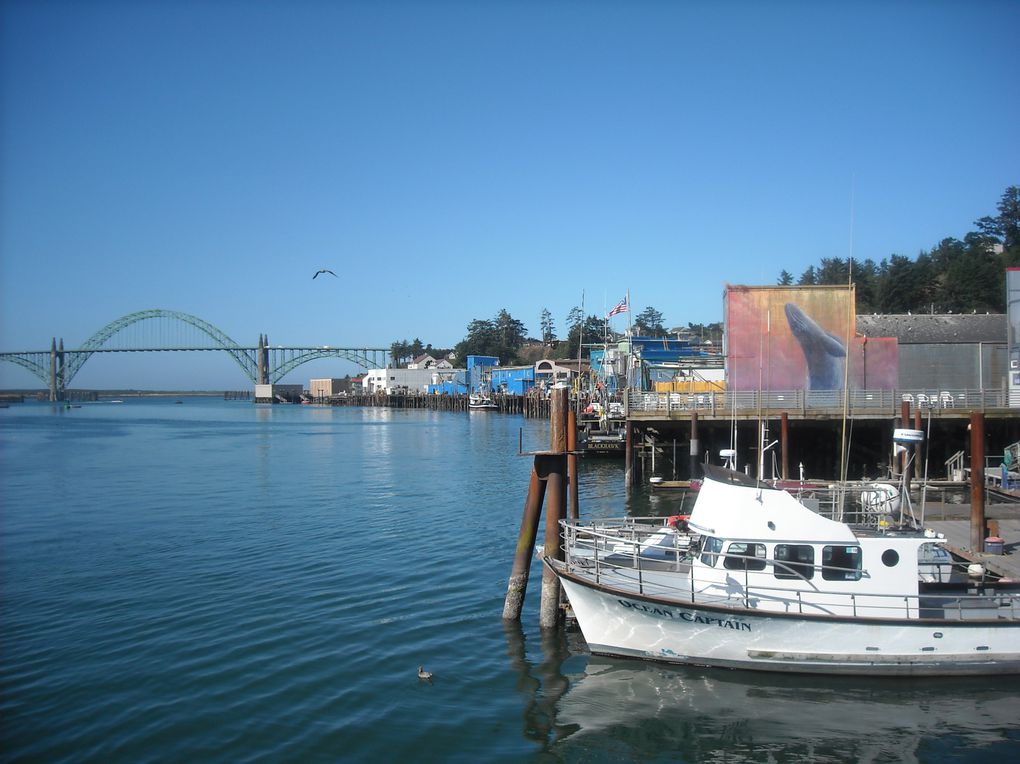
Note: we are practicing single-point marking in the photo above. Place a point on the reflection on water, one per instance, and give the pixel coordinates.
(602, 709)
(541, 685)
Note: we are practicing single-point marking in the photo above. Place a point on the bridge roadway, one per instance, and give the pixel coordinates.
(261, 364)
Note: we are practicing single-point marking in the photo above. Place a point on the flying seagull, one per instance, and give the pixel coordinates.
(425, 676)
(323, 270)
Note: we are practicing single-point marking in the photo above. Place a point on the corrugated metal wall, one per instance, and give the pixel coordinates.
(952, 367)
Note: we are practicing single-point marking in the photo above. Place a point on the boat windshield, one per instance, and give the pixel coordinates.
(710, 551)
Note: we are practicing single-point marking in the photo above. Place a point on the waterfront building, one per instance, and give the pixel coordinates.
(395, 381)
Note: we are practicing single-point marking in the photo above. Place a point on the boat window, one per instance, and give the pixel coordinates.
(710, 551)
(742, 556)
(890, 557)
(795, 561)
(841, 563)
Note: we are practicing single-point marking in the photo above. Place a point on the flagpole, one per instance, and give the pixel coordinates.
(630, 341)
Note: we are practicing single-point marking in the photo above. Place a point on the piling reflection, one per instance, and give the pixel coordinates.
(702, 714)
(542, 685)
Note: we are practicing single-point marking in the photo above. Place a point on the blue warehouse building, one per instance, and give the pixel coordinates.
(513, 380)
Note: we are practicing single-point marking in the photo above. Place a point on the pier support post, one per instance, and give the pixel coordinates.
(556, 508)
(977, 481)
(784, 444)
(628, 457)
(695, 447)
(574, 510)
(517, 587)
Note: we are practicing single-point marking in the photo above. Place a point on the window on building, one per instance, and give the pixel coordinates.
(742, 556)
(795, 561)
(841, 563)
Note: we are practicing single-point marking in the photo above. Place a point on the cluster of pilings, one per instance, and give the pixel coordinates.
(529, 406)
(552, 474)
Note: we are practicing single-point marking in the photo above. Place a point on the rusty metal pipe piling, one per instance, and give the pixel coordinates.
(977, 481)
(517, 587)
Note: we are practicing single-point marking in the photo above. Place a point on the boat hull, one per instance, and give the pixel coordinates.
(620, 623)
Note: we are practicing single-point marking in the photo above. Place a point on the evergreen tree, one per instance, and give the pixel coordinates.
(648, 323)
(501, 337)
(548, 329)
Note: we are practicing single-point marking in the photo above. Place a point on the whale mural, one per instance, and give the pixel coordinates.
(824, 354)
(802, 338)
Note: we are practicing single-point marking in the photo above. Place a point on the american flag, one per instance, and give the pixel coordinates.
(621, 307)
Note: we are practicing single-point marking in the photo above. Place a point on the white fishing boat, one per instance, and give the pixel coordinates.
(480, 402)
(755, 579)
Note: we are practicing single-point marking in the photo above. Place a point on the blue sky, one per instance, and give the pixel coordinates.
(449, 159)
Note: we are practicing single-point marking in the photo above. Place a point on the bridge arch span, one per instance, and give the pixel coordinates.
(96, 342)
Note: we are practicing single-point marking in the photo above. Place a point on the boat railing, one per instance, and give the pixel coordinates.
(613, 554)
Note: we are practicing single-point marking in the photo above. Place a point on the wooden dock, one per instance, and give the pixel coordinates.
(1007, 564)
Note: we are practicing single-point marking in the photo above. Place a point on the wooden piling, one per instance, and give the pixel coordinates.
(574, 511)
(549, 615)
(977, 481)
(628, 456)
(517, 586)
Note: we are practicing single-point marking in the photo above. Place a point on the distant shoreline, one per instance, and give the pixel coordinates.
(32, 393)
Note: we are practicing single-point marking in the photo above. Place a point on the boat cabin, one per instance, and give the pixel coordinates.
(762, 545)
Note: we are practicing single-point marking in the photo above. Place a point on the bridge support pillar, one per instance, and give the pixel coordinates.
(57, 371)
(263, 359)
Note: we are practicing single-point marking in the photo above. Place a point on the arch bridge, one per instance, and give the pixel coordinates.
(158, 330)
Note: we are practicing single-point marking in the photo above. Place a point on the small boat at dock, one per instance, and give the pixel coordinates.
(757, 579)
(481, 402)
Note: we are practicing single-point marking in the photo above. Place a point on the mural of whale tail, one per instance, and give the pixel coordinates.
(824, 352)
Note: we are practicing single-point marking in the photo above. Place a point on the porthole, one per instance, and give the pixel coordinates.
(890, 557)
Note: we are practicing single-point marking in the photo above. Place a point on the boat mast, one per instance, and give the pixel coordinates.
(580, 345)
(850, 312)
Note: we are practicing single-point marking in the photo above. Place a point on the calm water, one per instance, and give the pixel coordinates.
(221, 581)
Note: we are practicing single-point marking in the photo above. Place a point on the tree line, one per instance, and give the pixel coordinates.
(506, 338)
(953, 277)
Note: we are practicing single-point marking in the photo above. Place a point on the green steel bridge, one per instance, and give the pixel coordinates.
(157, 330)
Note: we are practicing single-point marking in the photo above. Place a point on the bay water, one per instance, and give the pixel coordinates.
(216, 580)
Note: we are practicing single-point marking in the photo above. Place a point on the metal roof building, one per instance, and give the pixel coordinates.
(940, 352)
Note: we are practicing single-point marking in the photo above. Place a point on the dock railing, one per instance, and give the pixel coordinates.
(876, 402)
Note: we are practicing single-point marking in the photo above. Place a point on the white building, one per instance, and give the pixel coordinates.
(403, 380)
(428, 362)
